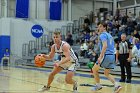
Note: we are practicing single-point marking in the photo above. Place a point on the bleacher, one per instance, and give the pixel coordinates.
(29, 50)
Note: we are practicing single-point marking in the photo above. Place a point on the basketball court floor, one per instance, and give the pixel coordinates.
(23, 79)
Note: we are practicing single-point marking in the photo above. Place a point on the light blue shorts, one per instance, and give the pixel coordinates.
(108, 61)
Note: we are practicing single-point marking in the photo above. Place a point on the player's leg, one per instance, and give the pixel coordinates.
(95, 70)
(69, 77)
(50, 78)
(110, 77)
(55, 71)
(109, 63)
(69, 80)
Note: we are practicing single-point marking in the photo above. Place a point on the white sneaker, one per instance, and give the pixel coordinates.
(44, 88)
(96, 88)
(117, 89)
(75, 88)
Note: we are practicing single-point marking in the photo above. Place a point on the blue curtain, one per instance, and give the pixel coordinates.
(55, 9)
(22, 8)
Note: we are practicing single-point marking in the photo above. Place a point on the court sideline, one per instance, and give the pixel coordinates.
(25, 79)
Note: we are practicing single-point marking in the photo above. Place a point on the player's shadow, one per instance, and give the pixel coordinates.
(91, 85)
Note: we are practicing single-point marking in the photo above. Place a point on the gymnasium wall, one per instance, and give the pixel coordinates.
(129, 6)
(107, 5)
(19, 31)
(79, 8)
(41, 12)
(4, 36)
(127, 3)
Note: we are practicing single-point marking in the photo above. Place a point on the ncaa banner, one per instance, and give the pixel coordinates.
(22, 8)
(37, 31)
(55, 7)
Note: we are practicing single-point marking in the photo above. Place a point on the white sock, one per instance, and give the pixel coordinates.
(98, 84)
(116, 84)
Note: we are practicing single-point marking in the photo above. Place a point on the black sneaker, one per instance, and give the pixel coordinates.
(128, 81)
(122, 80)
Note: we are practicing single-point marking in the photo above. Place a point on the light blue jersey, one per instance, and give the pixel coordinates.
(104, 36)
(108, 60)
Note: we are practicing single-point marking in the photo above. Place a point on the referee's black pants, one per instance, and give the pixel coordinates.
(125, 64)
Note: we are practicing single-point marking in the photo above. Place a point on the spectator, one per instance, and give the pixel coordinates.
(92, 56)
(6, 53)
(69, 38)
(90, 45)
(86, 21)
(124, 20)
(136, 34)
(131, 39)
(93, 36)
(86, 36)
(96, 47)
(86, 29)
(136, 50)
(50, 44)
(6, 57)
(80, 37)
(83, 49)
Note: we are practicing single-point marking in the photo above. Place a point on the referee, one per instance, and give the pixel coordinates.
(123, 54)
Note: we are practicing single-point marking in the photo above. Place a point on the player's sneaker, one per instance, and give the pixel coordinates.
(44, 88)
(117, 89)
(75, 88)
(95, 88)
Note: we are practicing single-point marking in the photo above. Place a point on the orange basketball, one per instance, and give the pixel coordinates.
(40, 60)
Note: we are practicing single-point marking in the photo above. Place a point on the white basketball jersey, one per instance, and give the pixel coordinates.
(60, 51)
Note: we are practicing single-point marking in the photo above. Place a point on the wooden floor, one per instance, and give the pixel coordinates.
(30, 79)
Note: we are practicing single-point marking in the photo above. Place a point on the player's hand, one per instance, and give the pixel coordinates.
(44, 55)
(117, 61)
(56, 64)
(99, 60)
(129, 59)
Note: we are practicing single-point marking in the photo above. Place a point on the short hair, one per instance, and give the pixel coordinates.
(102, 23)
(123, 34)
(57, 32)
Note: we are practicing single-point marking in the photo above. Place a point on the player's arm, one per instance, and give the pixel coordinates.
(51, 54)
(103, 48)
(103, 39)
(130, 52)
(66, 51)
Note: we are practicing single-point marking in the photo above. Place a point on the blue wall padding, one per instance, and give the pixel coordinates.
(4, 43)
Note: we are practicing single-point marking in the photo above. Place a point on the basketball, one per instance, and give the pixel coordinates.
(40, 60)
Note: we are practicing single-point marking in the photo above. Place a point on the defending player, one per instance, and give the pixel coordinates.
(106, 58)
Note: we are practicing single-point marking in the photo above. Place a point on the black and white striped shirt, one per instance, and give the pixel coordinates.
(123, 47)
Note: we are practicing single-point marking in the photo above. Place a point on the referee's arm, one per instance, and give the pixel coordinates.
(130, 52)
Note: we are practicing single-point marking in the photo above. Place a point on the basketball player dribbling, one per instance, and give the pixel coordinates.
(68, 61)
